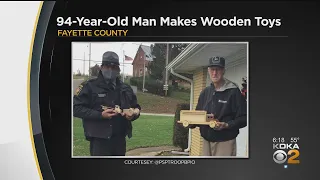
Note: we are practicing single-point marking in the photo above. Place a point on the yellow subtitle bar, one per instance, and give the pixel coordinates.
(90, 33)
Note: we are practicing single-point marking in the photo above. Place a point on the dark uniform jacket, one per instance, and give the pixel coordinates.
(228, 105)
(87, 105)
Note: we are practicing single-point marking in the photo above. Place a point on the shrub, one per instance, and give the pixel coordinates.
(153, 86)
(180, 133)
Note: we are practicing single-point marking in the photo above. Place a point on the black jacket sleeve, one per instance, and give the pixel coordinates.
(240, 107)
(200, 101)
(81, 104)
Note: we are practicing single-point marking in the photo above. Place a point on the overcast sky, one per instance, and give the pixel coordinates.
(80, 51)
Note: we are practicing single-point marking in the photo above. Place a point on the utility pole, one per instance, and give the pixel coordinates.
(89, 57)
(123, 57)
(144, 72)
(166, 78)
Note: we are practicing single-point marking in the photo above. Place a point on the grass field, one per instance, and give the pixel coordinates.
(151, 103)
(80, 77)
(184, 96)
(147, 131)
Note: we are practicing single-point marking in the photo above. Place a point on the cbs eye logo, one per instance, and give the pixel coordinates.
(280, 156)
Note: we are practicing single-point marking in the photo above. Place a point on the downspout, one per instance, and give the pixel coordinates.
(191, 102)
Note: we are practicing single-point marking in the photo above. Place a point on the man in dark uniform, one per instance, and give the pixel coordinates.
(106, 130)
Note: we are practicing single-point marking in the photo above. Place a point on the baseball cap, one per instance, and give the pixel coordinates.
(217, 61)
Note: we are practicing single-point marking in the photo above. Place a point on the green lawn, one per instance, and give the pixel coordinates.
(147, 131)
(151, 103)
(80, 77)
(185, 96)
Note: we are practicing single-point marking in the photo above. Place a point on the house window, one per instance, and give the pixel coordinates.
(141, 72)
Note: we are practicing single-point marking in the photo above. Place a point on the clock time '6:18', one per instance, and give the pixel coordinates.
(278, 140)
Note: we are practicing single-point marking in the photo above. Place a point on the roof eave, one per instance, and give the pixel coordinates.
(189, 50)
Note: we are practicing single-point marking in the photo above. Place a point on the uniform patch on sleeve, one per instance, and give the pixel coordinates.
(79, 90)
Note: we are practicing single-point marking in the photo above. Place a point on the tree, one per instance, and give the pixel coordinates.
(94, 70)
(157, 66)
(176, 49)
(78, 73)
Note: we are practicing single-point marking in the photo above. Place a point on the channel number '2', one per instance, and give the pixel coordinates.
(280, 156)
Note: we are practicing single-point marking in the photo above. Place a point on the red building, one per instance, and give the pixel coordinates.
(143, 57)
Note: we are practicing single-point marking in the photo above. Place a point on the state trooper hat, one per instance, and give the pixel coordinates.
(217, 61)
(110, 58)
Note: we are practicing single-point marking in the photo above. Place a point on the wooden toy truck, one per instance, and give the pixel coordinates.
(131, 111)
(196, 117)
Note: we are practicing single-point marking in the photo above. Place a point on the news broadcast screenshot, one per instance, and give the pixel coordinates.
(159, 90)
